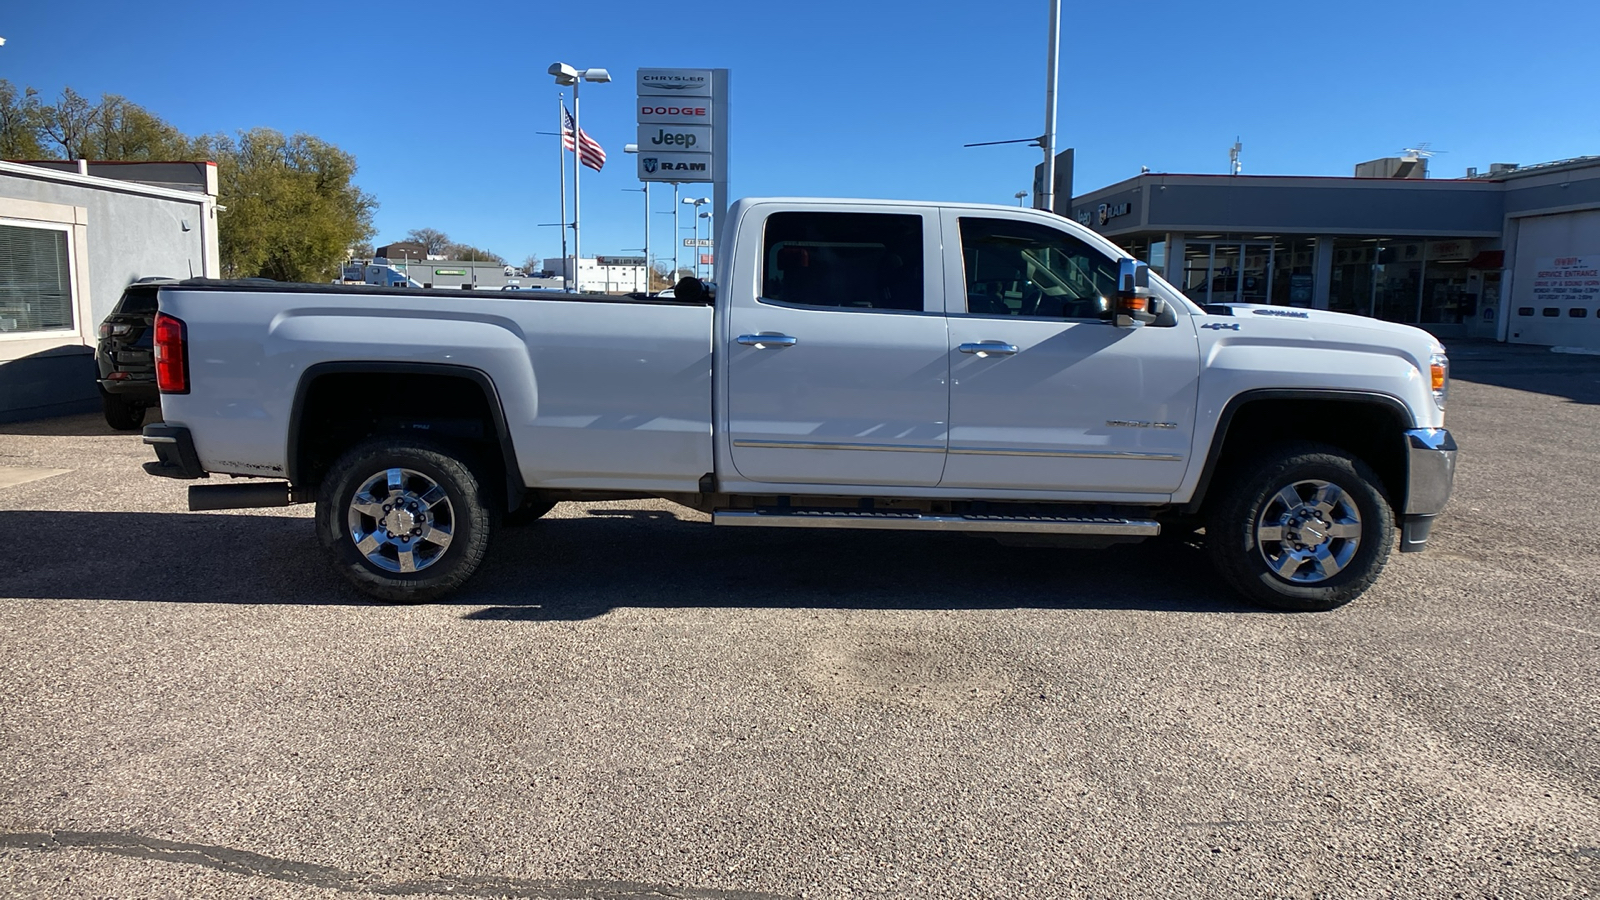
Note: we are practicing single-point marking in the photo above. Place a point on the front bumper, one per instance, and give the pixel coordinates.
(1430, 472)
(175, 454)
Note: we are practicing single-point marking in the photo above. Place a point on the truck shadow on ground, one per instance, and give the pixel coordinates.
(586, 563)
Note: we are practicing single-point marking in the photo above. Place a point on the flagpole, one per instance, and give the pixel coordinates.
(577, 156)
(561, 170)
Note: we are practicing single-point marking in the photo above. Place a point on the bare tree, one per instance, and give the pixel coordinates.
(437, 242)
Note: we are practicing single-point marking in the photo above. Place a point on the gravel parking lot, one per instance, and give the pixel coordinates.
(627, 703)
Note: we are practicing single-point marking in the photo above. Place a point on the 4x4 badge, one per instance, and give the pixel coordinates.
(1217, 326)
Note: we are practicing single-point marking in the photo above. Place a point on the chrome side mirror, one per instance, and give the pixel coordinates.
(1133, 295)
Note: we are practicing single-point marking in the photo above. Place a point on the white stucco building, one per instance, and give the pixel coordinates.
(72, 236)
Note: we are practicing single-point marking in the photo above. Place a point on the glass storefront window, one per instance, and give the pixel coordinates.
(1411, 280)
(1230, 268)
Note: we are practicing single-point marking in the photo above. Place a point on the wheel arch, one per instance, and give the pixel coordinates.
(1366, 424)
(306, 462)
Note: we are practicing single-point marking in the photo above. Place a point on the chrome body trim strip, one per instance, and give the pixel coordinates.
(912, 521)
(823, 445)
(1071, 454)
(1430, 470)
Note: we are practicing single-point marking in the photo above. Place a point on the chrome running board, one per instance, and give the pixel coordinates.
(911, 520)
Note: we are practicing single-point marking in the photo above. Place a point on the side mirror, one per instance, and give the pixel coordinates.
(1133, 295)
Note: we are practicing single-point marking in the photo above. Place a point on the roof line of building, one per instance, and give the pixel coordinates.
(108, 184)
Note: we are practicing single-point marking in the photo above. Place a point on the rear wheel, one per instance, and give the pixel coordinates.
(121, 413)
(1305, 527)
(405, 521)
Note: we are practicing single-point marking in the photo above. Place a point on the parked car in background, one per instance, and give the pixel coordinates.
(125, 356)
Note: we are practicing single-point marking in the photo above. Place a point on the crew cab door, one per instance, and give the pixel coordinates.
(1047, 394)
(835, 348)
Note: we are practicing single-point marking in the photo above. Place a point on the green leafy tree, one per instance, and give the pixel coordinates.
(120, 130)
(19, 123)
(292, 211)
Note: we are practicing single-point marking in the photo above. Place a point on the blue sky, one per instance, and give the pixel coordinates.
(441, 103)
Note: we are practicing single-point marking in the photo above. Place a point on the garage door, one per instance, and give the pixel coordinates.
(1556, 285)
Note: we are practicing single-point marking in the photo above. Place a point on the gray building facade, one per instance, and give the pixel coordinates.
(1510, 255)
(72, 236)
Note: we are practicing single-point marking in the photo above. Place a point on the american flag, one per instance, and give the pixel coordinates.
(592, 156)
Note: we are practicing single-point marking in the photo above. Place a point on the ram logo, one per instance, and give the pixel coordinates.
(649, 164)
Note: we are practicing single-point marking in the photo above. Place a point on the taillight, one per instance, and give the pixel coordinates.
(172, 355)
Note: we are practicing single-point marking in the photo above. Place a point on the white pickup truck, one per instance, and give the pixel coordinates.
(863, 364)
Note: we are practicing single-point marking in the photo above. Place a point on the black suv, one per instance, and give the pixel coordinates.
(126, 356)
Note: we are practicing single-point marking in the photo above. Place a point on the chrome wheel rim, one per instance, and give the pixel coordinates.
(1308, 531)
(401, 520)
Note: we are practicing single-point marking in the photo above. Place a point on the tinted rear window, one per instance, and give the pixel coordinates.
(844, 260)
(138, 301)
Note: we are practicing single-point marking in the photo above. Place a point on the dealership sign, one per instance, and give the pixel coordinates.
(675, 82)
(677, 140)
(674, 138)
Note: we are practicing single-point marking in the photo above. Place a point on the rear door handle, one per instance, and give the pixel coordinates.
(989, 348)
(763, 341)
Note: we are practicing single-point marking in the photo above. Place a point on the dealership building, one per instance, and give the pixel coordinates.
(1512, 254)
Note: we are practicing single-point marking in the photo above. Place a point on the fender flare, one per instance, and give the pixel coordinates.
(1391, 404)
(513, 475)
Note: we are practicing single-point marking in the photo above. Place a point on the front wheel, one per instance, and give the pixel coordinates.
(405, 521)
(1305, 527)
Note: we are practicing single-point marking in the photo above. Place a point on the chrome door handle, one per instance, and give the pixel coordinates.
(989, 348)
(763, 341)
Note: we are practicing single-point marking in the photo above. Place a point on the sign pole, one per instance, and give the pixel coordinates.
(1045, 199)
(577, 155)
(561, 170)
(721, 97)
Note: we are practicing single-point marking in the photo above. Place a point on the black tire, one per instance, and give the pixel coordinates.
(460, 520)
(121, 413)
(1292, 573)
(529, 512)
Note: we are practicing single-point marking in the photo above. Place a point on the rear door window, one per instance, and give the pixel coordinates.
(868, 261)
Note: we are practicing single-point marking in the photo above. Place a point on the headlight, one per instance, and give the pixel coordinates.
(1439, 368)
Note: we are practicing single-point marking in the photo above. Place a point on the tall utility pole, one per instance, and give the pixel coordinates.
(1045, 199)
(561, 169)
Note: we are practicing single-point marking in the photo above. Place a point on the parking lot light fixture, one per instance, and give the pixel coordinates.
(566, 75)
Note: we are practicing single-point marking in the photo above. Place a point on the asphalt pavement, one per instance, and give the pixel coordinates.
(628, 704)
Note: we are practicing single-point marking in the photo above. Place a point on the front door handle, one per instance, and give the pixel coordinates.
(763, 341)
(989, 348)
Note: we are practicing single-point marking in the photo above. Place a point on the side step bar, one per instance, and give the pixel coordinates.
(903, 520)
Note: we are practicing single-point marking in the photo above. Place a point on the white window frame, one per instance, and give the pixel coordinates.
(18, 344)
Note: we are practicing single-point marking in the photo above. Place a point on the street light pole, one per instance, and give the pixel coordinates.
(1047, 191)
(567, 75)
(696, 202)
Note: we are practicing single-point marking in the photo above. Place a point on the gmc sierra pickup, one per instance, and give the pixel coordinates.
(862, 364)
